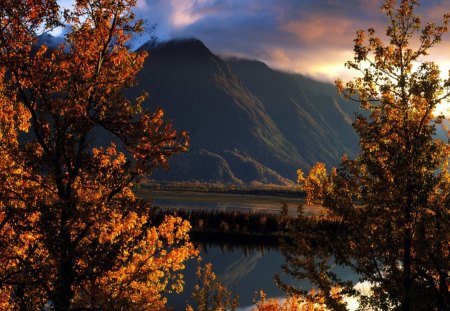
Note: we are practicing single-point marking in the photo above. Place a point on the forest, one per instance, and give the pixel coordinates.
(74, 235)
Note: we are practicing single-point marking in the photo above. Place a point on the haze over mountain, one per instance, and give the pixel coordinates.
(248, 122)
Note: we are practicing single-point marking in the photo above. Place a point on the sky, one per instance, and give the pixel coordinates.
(311, 37)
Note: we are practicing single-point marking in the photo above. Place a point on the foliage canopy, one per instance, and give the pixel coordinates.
(72, 234)
(393, 199)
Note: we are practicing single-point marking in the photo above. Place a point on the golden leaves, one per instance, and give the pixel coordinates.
(62, 198)
(315, 184)
(393, 197)
(291, 303)
(150, 267)
(5, 298)
(209, 293)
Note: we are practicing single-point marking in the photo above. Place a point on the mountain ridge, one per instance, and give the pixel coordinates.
(240, 109)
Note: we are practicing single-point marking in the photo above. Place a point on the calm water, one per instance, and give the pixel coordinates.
(211, 201)
(244, 271)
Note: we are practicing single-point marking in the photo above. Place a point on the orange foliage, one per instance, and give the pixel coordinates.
(393, 198)
(291, 303)
(72, 234)
(314, 184)
(209, 293)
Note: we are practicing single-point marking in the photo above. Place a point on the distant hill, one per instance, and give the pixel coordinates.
(248, 123)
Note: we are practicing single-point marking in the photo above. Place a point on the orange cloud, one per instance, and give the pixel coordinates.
(323, 64)
(280, 58)
(320, 29)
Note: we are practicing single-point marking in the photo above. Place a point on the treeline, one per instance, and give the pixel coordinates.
(274, 190)
(241, 228)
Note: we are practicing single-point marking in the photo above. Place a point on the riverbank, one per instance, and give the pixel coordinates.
(261, 189)
(223, 214)
(223, 197)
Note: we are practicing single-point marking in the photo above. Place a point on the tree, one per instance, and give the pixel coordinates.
(72, 234)
(209, 293)
(291, 303)
(393, 199)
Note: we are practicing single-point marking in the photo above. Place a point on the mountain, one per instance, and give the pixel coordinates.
(248, 122)
(310, 114)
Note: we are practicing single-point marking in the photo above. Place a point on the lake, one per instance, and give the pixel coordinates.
(226, 201)
(244, 271)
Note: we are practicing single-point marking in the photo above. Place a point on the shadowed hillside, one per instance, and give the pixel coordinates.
(310, 114)
(248, 123)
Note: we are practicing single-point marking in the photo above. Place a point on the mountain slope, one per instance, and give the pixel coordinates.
(310, 114)
(247, 122)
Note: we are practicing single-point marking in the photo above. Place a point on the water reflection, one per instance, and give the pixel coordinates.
(245, 270)
(250, 263)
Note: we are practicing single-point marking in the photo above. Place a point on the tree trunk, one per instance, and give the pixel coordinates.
(407, 237)
(407, 271)
(63, 290)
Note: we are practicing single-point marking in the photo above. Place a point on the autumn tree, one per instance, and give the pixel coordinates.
(291, 303)
(209, 293)
(72, 234)
(393, 199)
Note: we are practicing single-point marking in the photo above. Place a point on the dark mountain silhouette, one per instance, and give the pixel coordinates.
(310, 114)
(248, 123)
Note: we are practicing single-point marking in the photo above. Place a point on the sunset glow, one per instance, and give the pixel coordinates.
(314, 38)
(251, 155)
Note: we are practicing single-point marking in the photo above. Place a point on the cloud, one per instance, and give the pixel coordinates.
(313, 37)
(320, 29)
(323, 64)
(183, 13)
(279, 56)
(142, 6)
(287, 34)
